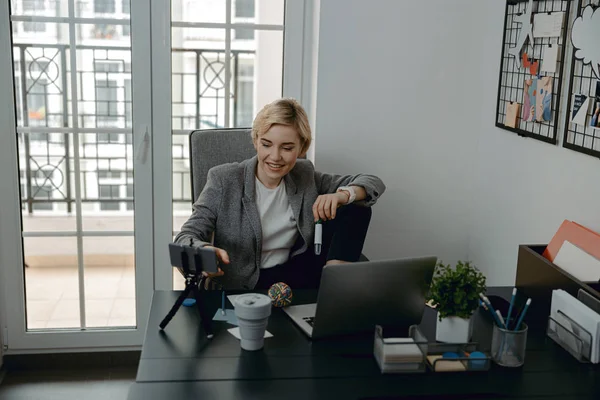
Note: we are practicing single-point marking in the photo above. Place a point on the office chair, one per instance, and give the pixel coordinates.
(212, 147)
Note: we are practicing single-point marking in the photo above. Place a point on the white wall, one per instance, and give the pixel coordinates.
(409, 88)
(397, 86)
(524, 188)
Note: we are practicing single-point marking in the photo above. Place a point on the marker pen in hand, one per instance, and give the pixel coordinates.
(318, 236)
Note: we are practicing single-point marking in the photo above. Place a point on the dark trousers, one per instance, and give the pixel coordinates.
(343, 239)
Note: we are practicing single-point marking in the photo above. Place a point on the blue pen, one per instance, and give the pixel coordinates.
(523, 314)
(512, 302)
(223, 302)
(482, 304)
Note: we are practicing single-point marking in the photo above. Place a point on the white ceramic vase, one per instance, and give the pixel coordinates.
(454, 330)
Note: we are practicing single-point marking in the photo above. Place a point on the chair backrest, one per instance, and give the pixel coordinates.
(212, 147)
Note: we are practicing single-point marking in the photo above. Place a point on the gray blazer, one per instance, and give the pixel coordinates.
(227, 208)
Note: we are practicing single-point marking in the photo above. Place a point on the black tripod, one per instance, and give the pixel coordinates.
(181, 257)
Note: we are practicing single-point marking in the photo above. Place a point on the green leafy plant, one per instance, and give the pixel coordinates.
(455, 291)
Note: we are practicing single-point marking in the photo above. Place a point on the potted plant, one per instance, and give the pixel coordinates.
(454, 292)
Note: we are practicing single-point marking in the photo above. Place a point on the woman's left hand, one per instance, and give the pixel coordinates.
(326, 205)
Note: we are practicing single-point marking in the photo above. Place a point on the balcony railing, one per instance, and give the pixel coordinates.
(103, 75)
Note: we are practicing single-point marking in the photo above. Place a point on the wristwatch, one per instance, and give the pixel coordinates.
(350, 190)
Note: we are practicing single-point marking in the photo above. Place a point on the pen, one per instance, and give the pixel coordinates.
(501, 319)
(486, 301)
(482, 304)
(318, 236)
(512, 302)
(523, 314)
(223, 302)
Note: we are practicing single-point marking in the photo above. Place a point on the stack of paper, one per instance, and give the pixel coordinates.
(576, 317)
(576, 250)
(398, 354)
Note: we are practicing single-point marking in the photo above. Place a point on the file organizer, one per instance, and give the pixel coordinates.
(576, 344)
(577, 340)
(537, 277)
(401, 355)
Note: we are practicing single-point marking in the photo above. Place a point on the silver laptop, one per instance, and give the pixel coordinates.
(355, 297)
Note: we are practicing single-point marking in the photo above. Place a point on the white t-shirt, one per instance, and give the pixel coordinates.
(279, 230)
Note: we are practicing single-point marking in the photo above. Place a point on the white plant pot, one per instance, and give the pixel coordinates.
(454, 330)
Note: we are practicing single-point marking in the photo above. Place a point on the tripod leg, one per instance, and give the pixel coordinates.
(178, 303)
(204, 319)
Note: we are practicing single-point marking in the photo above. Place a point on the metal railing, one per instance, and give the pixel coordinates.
(43, 101)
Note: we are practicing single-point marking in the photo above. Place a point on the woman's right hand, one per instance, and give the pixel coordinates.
(222, 256)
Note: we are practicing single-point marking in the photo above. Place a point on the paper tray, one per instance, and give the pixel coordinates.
(400, 355)
(462, 363)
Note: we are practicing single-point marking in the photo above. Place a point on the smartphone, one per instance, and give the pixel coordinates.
(197, 259)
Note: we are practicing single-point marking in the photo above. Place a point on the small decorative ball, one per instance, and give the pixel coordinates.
(280, 294)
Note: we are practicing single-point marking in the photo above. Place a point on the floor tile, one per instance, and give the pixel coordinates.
(63, 323)
(123, 308)
(65, 309)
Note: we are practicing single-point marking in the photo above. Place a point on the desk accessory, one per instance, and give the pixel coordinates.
(280, 294)
(455, 294)
(522, 316)
(318, 236)
(457, 357)
(574, 326)
(223, 302)
(252, 311)
(570, 336)
(400, 354)
(191, 261)
(512, 304)
(522, 49)
(583, 81)
(508, 346)
(189, 302)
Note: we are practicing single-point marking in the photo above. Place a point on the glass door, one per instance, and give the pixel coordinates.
(76, 136)
(227, 59)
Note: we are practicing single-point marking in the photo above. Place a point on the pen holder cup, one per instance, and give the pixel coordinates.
(508, 347)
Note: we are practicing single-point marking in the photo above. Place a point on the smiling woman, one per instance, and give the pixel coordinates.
(262, 211)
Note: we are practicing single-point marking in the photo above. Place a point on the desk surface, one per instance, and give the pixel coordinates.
(179, 363)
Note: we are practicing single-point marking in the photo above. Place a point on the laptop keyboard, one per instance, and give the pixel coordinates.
(309, 320)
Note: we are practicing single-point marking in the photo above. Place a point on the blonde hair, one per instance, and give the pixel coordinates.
(286, 111)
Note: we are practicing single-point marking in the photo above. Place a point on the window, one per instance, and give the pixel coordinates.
(105, 174)
(41, 189)
(104, 6)
(106, 108)
(107, 193)
(36, 101)
(106, 97)
(109, 138)
(128, 103)
(130, 196)
(244, 8)
(245, 93)
(243, 34)
(104, 31)
(34, 7)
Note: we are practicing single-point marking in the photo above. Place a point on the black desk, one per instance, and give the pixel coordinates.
(180, 363)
